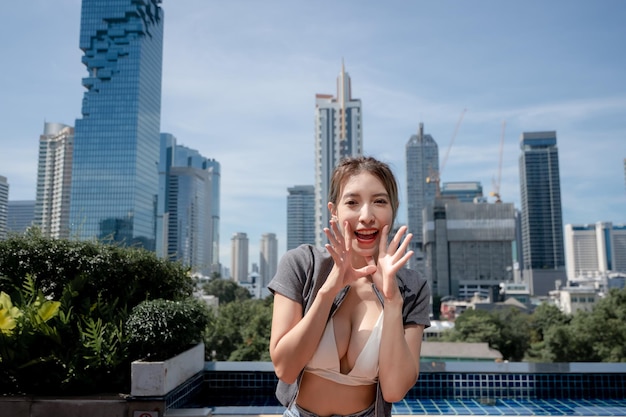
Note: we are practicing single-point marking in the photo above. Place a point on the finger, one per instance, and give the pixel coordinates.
(347, 236)
(382, 244)
(393, 246)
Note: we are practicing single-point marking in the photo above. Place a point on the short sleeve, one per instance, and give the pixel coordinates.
(416, 294)
(291, 274)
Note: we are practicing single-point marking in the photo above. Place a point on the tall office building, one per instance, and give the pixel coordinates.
(116, 143)
(300, 216)
(468, 247)
(268, 258)
(20, 216)
(338, 134)
(184, 214)
(595, 250)
(54, 180)
(239, 257)
(422, 161)
(542, 218)
(4, 206)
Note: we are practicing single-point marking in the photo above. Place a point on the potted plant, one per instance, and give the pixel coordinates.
(166, 336)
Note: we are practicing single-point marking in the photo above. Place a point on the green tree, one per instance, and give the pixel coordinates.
(541, 321)
(608, 318)
(226, 291)
(240, 331)
(573, 342)
(505, 330)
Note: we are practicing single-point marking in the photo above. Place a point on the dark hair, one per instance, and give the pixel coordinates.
(354, 165)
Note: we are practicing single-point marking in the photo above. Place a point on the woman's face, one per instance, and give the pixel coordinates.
(364, 203)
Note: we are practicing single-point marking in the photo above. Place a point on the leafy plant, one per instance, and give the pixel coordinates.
(159, 329)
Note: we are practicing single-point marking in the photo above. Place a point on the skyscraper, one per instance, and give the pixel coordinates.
(300, 216)
(268, 258)
(595, 249)
(20, 215)
(338, 133)
(239, 257)
(422, 160)
(542, 218)
(184, 214)
(54, 180)
(116, 143)
(4, 206)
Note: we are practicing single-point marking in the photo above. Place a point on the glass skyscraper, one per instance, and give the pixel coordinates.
(185, 217)
(20, 215)
(542, 218)
(338, 133)
(116, 142)
(300, 216)
(422, 161)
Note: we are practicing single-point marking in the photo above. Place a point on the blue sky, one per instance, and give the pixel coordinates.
(240, 78)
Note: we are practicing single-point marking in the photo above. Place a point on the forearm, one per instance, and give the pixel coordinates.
(398, 363)
(294, 349)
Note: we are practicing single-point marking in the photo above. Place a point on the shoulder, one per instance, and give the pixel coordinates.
(298, 270)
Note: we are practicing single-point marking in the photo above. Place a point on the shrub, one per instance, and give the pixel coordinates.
(82, 347)
(159, 329)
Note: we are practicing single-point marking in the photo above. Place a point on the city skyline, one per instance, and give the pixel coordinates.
(239, 85)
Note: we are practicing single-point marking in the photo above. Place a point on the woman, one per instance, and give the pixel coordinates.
(348, 319)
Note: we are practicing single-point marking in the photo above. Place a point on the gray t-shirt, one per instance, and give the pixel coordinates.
(301, 273)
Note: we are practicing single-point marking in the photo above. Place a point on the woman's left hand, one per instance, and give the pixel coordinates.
(391, 257)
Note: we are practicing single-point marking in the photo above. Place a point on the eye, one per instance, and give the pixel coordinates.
(380, 201)
(350, 202)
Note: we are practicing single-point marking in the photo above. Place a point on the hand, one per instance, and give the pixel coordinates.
(340, 248)
(391, 257)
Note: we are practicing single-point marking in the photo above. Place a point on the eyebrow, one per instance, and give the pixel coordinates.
(359, 195)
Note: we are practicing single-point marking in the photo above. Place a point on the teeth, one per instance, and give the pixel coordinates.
(366, 233)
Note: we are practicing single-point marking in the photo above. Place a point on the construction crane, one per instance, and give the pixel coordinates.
(435, 176)
(496, 182)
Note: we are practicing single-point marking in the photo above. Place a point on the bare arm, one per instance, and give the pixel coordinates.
(399, 358)
(294, 337)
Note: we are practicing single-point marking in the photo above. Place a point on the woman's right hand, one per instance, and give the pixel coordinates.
(340, 249)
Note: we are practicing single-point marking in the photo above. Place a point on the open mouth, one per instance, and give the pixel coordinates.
(366, 236)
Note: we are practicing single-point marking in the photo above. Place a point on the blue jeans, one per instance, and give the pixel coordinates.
(295, 411)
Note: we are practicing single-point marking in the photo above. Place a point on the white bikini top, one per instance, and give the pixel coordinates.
(325, 360)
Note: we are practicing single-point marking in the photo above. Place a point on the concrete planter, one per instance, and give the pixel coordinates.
(156, 379)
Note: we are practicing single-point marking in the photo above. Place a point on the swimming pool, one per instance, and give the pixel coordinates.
(444, 388)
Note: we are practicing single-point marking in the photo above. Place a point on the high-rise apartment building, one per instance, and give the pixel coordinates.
(268, 258)
(300, 216)
(185, 219)
(116, 143)
(54, 180)
(20, 216)
(595, 250)
(422, 161)
(468, 247)
(542, 218)
(239, 257)
(338, 134)
(4, 206)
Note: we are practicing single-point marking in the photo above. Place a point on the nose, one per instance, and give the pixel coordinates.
(366, 216)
